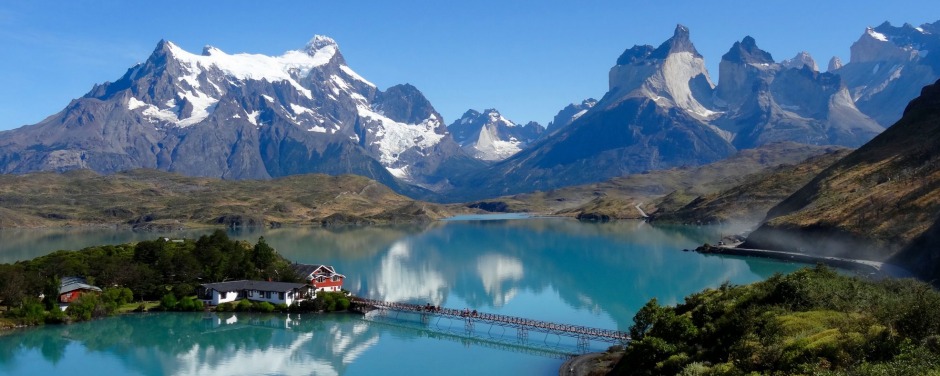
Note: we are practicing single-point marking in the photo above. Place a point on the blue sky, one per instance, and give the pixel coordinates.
(526, 58)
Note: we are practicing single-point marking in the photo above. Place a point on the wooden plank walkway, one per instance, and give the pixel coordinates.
(583, 333)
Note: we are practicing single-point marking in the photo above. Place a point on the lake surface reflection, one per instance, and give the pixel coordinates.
(591, 274)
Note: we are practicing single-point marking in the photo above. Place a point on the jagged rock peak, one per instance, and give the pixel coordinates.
(405, 103)
(801, 59)
(641, 54)
(496, 117)
(533, 124)
(747, 52)
(570, 113)
(319, 42)
(680, 42)
(834, 64)
(208, 50)
(471, 113)
(164, 47)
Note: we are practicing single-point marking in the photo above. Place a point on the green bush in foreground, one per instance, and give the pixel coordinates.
(813, 321)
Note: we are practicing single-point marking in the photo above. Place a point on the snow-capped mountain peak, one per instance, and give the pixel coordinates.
(490, 136)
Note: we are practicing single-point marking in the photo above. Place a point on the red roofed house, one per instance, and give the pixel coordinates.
(70, 288)
(321, 277)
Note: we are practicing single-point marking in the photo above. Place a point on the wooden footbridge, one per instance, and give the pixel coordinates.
(521, 325)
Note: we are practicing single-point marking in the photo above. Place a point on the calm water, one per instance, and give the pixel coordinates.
(541, 268)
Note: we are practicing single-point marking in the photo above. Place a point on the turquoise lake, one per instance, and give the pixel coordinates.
(552, 269)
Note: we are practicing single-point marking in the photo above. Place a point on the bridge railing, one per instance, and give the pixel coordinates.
(577, 330)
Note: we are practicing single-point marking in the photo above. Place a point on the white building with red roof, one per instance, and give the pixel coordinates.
(321, 277)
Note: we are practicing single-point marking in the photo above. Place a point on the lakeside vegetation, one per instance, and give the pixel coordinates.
(811, 322)
(131, 275)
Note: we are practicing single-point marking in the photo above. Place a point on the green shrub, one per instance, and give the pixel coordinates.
(186, 304)
(168, 302)
(243, 305)
(225, 307)
(30, 312)
(263, 307)
(56, 316)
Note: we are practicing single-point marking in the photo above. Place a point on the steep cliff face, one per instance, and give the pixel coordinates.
(873, 203)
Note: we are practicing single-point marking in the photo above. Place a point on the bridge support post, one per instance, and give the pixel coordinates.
(468, 325)
(584, 343)
(522, 334)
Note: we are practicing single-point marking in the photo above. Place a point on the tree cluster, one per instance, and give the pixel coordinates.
(150, 269)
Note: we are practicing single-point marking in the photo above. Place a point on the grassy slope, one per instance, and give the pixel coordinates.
(750, 200)
(618, 197)
(872, 203)
(154, 198)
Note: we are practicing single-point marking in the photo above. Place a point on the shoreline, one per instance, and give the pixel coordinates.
(867, 267)
(181, 225)
(579, 365)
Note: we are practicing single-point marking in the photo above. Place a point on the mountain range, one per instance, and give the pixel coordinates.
(246, 116)
(242, 116)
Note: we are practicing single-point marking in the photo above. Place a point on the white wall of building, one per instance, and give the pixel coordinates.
(273, 297)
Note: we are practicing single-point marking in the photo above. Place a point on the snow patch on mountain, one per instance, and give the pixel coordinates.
(394, 138)
(287, 67)
(876, 35)
(253, 117)
(354, 75)
(401, 173)
(300, 110)
(134, 103)
(203, 106)
(578, 114)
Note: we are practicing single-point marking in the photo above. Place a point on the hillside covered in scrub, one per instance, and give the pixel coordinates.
(811, 322)
(877, 203)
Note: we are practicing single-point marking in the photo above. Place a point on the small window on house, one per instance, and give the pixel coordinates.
(280, 295)
(267, 295)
